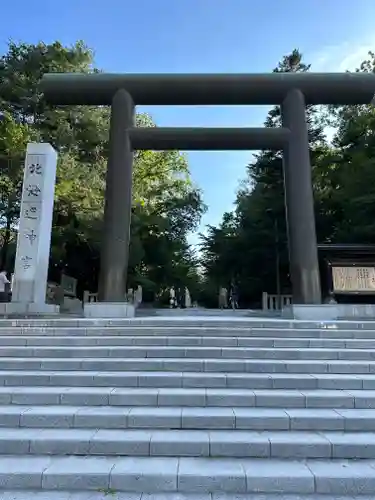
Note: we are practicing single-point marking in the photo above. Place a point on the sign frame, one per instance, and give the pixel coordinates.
(350, 264)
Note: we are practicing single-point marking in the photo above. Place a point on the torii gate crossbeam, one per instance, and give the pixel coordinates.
(292, 91)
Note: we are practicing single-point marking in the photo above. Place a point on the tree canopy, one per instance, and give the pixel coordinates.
(166, 204)
(244, 245)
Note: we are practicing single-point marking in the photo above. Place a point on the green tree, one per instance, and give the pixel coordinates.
(166, 204)
(343, 178)
(13, 139)
(245, 244)
(353, 169)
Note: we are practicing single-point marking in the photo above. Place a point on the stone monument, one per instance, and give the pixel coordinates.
(29, 282)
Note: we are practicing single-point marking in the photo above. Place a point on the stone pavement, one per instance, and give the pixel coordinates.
(186, 408)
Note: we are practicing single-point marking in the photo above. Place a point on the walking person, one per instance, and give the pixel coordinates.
(172, 298)
(3, 287)
(233, 296)
(179, 298)
(223, 298)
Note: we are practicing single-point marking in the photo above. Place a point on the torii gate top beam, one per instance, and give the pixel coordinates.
(209, 89)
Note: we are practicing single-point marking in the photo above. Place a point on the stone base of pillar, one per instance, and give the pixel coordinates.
(330, 312)
(28, 309)
(108, 310)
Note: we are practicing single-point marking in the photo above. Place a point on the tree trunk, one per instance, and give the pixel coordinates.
(5, 247)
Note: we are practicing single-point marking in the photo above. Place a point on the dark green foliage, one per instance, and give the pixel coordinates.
(166, 206)
(344, 187)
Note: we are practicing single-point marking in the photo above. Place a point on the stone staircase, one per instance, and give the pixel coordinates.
(189, 408)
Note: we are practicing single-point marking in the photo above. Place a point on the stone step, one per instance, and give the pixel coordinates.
(187, 443)
(188, 474)
(167, 322)
(111, 494)
(161, 379)
(186, 341)
(188, 331)
(197, 322)
(142, 417)
(234, 353)
(104, 396)
(188, 364)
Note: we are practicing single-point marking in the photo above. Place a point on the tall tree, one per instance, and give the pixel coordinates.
(165, 202)
(354, 168)
(13, 139)
(247, 248)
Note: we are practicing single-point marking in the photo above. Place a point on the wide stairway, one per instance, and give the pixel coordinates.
(193, 408)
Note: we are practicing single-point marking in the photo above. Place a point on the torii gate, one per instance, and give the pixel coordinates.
(292, 91)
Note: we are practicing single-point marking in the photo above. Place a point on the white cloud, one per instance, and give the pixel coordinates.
(341, 57)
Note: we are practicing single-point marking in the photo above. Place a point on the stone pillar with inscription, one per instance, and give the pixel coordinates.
(34, 233)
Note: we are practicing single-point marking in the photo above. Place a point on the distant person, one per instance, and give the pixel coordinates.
(223, 298)
(234, 296)
(172, 298)
(3, 288)
(179, 298)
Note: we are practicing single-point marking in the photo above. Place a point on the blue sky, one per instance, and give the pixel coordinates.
(208, 36)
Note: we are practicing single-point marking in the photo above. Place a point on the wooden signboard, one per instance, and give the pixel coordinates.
(353, 279)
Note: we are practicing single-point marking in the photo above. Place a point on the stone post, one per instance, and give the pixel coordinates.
(29, 282)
